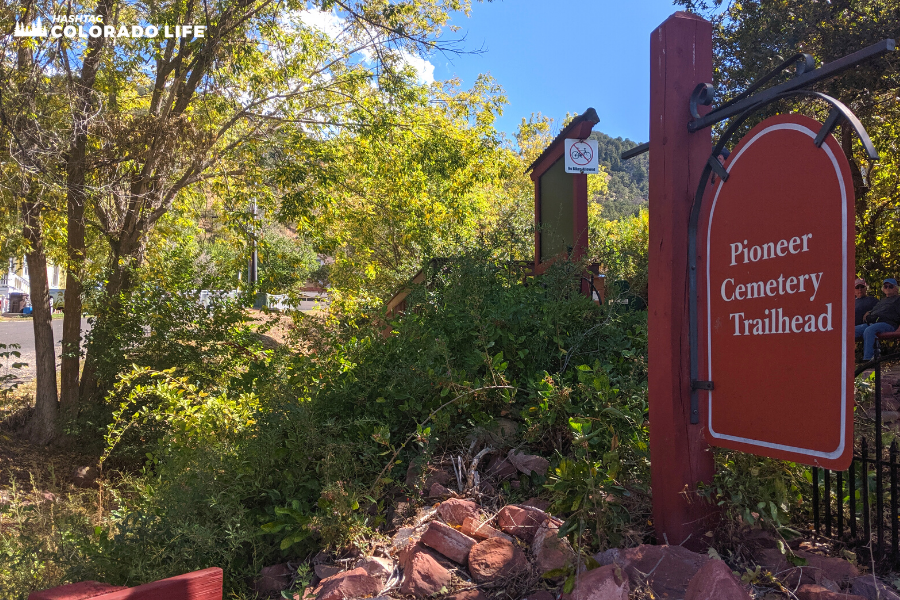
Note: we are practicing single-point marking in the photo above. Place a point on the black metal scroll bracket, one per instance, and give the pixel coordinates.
(804, 77)
(838, 113)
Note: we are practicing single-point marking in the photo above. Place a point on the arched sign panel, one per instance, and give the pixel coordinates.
(776, 259)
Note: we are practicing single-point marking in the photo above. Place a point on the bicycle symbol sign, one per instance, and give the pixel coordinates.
(581, 156)
(581, 153)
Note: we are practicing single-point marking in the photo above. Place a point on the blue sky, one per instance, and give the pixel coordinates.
(567, 55)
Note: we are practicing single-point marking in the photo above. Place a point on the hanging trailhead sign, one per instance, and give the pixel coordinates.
(581, 156)
(776, 256)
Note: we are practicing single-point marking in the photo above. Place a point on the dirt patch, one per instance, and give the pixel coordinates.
(24, 465)
(274, 329)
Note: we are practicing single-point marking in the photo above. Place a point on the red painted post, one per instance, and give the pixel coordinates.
(680, 58)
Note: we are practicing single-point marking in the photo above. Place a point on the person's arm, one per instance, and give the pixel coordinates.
(892, 315)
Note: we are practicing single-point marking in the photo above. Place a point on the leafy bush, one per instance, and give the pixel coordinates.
(757, 490)
(262, 458)
(162, 323)
(621, 247)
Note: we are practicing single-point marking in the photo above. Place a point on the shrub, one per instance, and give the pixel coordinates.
(253, 461)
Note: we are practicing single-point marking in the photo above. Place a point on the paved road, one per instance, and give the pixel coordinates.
(22, 332)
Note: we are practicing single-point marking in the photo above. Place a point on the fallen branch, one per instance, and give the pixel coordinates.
(423, 423)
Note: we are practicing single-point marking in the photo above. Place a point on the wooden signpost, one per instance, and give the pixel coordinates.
(750, 264)
(680, 58)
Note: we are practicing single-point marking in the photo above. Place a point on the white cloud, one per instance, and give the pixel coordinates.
(333, 25)
(424, 69)
(325, 21)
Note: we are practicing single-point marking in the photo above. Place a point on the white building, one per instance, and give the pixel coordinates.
(15, 285)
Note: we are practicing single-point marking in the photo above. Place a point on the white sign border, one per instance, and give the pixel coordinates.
(593, 166)
(843, 367)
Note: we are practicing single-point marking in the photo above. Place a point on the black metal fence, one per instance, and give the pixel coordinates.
(859, 507)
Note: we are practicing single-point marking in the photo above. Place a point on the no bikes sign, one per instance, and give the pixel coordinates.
(581, 156)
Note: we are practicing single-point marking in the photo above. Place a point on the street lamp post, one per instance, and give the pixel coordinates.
(253, 275)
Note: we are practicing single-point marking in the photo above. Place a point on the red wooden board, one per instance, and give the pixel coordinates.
(199, 585)
(776, 262)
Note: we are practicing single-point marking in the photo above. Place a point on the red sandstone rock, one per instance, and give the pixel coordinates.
(495, 559)
(273, 579)
(528, 463)
(872, 589)
(537, 503)
(473, 594)
(550, 551)
(324, 571)
(521, 521)
(811, 591)
(350, 584)
(438, 491)
(474, 528)
(501, 469)
(76, 591)
(671, 568)
(890, 403)
(818, 568)
(715, 581)
(455, 510)
(422, 575)
(439, 558)
(377, 567)
(448, 541)
(606, 583)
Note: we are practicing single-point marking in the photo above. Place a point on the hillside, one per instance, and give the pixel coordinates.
(628, 184)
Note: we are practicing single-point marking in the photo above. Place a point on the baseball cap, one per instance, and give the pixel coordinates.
(860, 281)
(891, 281)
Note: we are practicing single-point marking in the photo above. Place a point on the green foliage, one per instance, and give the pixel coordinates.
(606, 458)
(383, 199)
(628, 187)
(163, 324)
(758, 489)
(186, 416)
(240, 472)
(285, 263)
(8, 376)
(621, 247)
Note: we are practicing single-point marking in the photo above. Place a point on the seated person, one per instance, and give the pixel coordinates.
(884, 317)
(864, 302)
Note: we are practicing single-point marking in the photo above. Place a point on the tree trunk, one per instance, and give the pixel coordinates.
(41, 428)
(126, 257)
(75, 200)
(71, 334)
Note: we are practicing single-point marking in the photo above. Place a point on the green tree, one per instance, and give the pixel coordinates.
(148, 118)
(753, 37)
(285, 262)
(628, 188)
(389, 197)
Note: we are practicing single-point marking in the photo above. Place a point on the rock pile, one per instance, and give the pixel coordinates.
(459, 550)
